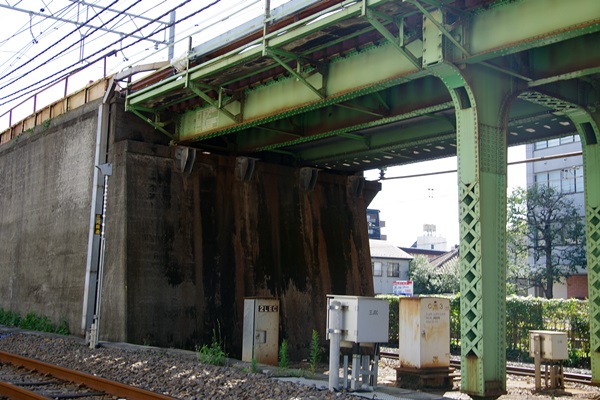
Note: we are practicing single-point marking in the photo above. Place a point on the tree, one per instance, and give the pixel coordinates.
(428, 279)
(545, 225)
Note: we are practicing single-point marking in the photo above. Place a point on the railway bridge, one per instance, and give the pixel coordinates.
(333, 88)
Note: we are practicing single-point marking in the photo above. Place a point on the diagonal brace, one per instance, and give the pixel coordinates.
(157, 125)
(441, 27)
(396, 42)
(318, 92)
(217, 104)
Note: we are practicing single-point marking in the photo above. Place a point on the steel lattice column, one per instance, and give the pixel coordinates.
(587, 126)
(482, 98)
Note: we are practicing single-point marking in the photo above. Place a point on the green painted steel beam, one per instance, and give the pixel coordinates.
(515, 26)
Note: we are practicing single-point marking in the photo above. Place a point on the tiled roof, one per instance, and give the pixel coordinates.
(384, 249)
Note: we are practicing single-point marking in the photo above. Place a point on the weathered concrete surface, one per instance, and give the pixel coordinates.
(196, 245)
(183, 250)
(45, 194)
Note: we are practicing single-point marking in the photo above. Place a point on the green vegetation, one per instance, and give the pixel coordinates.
(284, 359)
(212, 354)
(33, 322)
(428, 279)
(315, 352)
(254, 367)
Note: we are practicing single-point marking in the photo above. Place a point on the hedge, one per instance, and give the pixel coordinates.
(522, 315)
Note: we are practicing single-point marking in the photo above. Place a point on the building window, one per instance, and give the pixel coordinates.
(393, 270)
(376, 268)
(568, 180)
(544, 144)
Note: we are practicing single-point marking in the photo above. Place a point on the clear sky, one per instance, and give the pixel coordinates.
(407, 204)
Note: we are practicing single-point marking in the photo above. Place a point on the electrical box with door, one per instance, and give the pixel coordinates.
(261, 330)
(364, 319)
(553, 345)
(424, 332)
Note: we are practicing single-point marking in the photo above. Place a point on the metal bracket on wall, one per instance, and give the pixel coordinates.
(308, 178)
(356, 185)
(184, 159)
(244, 168)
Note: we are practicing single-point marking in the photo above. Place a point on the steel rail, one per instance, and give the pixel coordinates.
(512, 370)
(94, 382)
(16, 392)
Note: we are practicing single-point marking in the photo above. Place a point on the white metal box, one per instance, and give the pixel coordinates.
(261, 330)
(424, 332)
(553, 345)
(364, 319)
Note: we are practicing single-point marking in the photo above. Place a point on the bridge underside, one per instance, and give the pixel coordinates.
(350, 86)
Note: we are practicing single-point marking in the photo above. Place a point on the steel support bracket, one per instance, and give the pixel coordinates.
(156, 123)
(321, 68)
(397, 42)
(218, 104)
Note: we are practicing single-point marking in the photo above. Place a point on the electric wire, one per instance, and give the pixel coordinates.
(104, 55)
(47, 32)
(48, 48)
(117, 24)
(67, 51)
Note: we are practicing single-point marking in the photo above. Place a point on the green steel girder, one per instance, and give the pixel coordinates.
(397, 42)
(159, 126)
(217, 104)
(387, 136)
(299, 76)
(542, 27)
(399, 102)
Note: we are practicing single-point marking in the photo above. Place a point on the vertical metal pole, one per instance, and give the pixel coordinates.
(265, 26)
(106, 170)
(537, 349)
(171, 43)
(335, 338)
(91, 273)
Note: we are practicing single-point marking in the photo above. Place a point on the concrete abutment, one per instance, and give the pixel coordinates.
(182, 250)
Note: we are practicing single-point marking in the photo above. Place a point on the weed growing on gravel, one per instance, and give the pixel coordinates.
(315, 352)
(212, 354)
(284, 360)
(254, 367)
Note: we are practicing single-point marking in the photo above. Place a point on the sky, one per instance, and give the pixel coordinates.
(407, 204)
(36, 42)
(33, 47)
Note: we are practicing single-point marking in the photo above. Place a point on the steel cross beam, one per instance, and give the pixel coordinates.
(363, 53)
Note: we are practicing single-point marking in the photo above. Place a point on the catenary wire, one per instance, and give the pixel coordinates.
(48, 31)
(102, 56)
(49, 47)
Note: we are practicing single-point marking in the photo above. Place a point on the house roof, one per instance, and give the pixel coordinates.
(442, 262)
(384, 249)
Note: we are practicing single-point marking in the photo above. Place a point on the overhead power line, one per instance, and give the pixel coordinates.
(48, 48)
(35, 86)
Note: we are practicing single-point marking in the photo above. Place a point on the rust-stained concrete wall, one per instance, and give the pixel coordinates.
(45, 195)
(182, 250)
(197, 244)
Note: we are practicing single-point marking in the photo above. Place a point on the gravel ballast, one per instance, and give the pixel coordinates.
(173, 373)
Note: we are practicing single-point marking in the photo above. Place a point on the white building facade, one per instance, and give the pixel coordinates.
(389, 264)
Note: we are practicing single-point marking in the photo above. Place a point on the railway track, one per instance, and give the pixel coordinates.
(51, 381)
(512, 370)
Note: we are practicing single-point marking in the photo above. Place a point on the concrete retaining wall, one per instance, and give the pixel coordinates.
(45, 194)
(182, 250)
